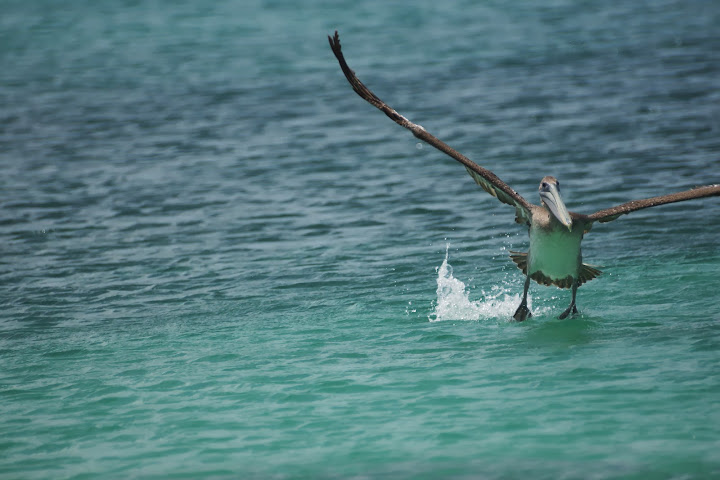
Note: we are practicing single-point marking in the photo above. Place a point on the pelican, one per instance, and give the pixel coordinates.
(554, 256)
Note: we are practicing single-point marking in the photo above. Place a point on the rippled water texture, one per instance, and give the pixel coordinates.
(219, 262)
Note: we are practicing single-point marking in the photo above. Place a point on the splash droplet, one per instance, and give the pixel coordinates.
(453, 301)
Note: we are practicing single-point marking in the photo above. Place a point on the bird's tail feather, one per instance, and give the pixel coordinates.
(587, 272)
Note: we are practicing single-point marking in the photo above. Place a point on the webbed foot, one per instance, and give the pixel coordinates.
(572, 309)
(522, 313)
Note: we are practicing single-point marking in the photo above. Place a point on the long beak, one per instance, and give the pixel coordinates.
(554, 202)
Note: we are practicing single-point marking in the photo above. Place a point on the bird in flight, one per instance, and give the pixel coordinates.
(554, 256)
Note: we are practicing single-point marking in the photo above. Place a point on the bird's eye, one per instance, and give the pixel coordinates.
(544, 185)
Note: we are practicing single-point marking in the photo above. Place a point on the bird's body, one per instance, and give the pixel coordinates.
(555, 255)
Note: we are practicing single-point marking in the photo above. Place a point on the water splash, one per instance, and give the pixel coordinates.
(453, 302)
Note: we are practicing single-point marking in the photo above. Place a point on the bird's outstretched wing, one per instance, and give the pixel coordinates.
(483, 177)
(610, 214)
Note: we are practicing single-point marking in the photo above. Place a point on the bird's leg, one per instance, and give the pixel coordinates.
(572, 309)
(523, 312)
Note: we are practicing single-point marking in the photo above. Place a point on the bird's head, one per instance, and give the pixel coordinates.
(551, 199)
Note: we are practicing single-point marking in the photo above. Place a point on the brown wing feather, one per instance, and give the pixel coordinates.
(610, 214)
(483, 177)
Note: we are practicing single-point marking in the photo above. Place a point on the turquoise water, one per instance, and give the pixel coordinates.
(219, 262)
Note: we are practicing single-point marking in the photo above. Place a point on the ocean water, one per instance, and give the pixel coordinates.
(219, 262)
